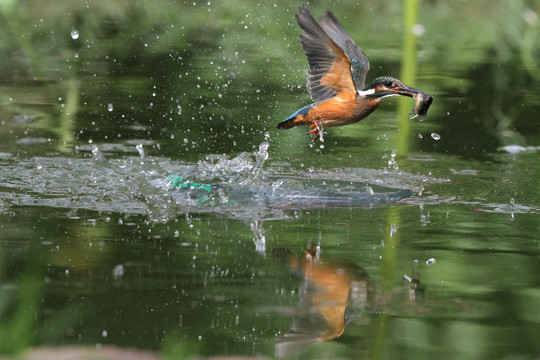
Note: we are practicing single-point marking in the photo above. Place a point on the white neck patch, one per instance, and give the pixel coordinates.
(366, 92)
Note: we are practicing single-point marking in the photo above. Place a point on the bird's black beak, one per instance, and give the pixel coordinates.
(422, 100)
(404, 90)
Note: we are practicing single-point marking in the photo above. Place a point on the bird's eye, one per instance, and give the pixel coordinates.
(388, 83)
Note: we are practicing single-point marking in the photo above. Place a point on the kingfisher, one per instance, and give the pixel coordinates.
(332, 295)
(336, 80)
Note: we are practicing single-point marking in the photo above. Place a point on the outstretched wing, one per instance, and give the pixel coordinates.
(329, 65)
(358, 59)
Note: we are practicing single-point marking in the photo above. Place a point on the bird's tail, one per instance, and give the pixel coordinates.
(298, 118)
(286, 124)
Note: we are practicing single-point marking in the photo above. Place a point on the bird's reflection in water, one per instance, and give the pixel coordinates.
(331, 296)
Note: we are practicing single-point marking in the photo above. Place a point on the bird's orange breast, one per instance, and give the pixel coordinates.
(340, 110)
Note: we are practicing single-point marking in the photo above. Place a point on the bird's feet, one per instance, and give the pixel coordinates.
(316, 130)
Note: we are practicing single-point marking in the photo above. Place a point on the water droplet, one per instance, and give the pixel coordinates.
(435, 136)
(412, 114)
(97, 155)
(118, 271)
(430, 261)
(393, 229)
(140, 149)
(110, 107)
(392, 163)
(418, 29)
(530, 16)
(74, 34)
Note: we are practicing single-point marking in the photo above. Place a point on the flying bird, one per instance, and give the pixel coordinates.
(336, 80)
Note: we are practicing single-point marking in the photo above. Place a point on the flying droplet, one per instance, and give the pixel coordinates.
(530, 17)
(418, 29)
(118, 271)
(435, 136)
(74, 34)
(110, 107)
(140, 149)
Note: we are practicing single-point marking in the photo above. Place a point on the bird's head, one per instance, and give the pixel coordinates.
(386, 86)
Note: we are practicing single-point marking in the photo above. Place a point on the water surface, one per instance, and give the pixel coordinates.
(432, 253)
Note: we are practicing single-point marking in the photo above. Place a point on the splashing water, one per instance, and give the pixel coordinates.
(321, 133)
(246, 168)
(258, 236)
(413, 115)
(392, 163)
(140, 149)
(239, 187)
(97, 155)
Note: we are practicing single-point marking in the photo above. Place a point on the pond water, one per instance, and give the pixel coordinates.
(149, 207)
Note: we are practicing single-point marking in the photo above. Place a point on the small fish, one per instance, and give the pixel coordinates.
(423, 102)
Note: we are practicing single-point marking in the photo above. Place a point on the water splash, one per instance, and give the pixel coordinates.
(321, 133)
(260, 158)
(413, 115)
(238, 187)
(516, 149)
(245, 168)
(97, 155)
(392, 163)
(140, 149)
(258, 236)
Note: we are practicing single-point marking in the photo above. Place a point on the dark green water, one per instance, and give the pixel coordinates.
(96, 250)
